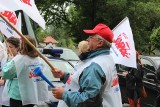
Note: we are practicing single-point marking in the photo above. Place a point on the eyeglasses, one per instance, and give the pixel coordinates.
(92, 37)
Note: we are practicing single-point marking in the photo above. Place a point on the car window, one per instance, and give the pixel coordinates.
(158, 61)
(63, 65)
(69, 55)
(121, 68)
(148, 66)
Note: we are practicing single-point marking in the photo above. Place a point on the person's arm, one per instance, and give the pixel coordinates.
(130, 75)
(8, 70)
(139, 75)
(58, 73)
(90, 82)
(65, 77)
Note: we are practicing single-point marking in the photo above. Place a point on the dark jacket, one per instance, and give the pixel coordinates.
(134, 81)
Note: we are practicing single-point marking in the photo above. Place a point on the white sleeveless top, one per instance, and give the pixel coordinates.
(32, 88)
(111, 90)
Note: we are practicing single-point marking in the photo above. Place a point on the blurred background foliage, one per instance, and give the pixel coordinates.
(66, 19)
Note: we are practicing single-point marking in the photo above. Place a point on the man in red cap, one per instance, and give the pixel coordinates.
(94, 82)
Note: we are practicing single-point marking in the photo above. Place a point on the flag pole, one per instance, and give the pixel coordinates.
(28, 42)
(120, 23)
(9, 49)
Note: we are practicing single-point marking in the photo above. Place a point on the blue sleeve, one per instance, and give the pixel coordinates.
(8, 70)
(65, 77)
(91, 82)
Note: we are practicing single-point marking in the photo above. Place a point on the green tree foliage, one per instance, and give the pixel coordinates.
(54, 11)
(155, 38)
(58, 34)
(144, 16)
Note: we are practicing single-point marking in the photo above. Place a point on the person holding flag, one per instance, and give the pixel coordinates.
(134, 83)
(28, 89)
(95, 81)
(13, 45)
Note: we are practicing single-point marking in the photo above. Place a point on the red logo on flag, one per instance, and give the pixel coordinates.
(10, 16)
(122, 46)
(26, 2)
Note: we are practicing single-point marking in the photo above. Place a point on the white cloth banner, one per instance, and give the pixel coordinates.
(18, 26)
(2, 7)
(5, 28)
(123, 48)
(28, 6)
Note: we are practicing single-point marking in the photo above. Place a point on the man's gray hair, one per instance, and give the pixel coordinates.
(106, 43)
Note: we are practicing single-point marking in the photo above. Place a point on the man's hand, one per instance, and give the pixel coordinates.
(58, 73)
(58, 92)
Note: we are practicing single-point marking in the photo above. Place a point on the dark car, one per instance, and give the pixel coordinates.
(151, 85)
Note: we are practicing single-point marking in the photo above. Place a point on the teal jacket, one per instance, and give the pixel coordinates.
(91, 81)
(9, 72)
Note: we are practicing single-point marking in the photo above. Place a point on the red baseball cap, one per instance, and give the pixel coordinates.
(103, 31)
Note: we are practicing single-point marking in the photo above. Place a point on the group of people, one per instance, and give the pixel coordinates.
(94, 82)
(21, 87)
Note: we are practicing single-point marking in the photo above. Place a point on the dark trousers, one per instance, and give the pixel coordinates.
(18, 103)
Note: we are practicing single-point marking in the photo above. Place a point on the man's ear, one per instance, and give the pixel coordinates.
(100, 44)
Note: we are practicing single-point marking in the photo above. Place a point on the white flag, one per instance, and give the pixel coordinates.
(28, 6)
(2, 7)
(123, 48)
(18, 26)
(4, 27)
